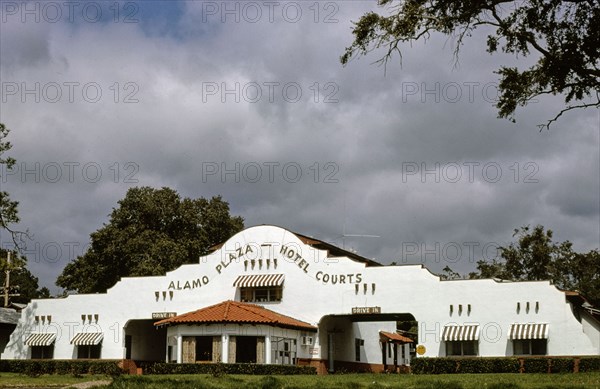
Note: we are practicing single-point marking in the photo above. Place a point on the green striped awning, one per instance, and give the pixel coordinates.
(87, 338)
(528, 331)
(455, 333)
(39, 339)
(259, 280)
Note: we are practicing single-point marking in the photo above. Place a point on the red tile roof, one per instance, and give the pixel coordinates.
(237, 312)
(396, 338)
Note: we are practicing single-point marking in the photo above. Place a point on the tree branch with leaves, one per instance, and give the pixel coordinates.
(563, 35)
(536, 256)
(9, 214)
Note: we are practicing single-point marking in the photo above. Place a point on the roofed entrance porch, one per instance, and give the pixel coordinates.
(234, 332)
(365, 342)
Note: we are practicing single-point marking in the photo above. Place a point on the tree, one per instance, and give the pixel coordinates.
(449, 274)
(563, 35)
(581, 272)
(152, 231)
(21, 280)
(491, 269)
(531, 257)
(535, 256)
(9, 213)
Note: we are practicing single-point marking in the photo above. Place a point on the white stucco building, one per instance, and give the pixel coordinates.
(269, 295)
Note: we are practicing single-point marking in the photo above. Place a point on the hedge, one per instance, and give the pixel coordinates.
(503, 365)
(563, 365)
(535, 365)
(589, 364)
(50, 366)
(226, 368)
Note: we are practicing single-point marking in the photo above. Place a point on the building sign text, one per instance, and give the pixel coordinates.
(365, 310)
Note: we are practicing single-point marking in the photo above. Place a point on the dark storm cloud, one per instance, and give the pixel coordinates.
(411, 154)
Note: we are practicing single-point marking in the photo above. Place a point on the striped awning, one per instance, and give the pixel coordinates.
(45, 339)
(453, 332)
(528, 331)
(87, 338)
(257, 280)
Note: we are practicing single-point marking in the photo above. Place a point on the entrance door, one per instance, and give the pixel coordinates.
(127, 346)
(245, 349)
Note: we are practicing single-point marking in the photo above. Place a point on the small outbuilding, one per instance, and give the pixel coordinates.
(235, 332)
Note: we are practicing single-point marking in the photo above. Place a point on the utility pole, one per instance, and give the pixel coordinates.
(7, 293)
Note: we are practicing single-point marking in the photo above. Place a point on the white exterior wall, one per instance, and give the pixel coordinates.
(369, 332)
(591, 329)
(396, 289)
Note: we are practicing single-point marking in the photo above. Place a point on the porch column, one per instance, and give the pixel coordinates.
(167, 351)
(268, 349)
(124, 333)
(330, 349)
(179, 348)
(224, 348)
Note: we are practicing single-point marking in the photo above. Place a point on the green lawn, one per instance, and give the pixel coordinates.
(12, 380)
(587, 380)
(354, 381)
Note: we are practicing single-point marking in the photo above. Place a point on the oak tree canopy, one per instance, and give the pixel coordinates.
(564, 37)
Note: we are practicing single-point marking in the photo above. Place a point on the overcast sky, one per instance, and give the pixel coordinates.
(248, 100)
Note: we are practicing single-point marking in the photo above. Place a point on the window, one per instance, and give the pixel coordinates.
(89, 352)
(530, 347)
(538, 346)
(42, 352)
(204, 347)
(357, 343)
(283, 351)
(461, 348)
(170, 354)
(262, 294)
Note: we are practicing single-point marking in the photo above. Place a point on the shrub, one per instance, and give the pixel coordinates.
(536, 365)
(493, 365)
(75, 367)
(218, 370)
(589, 364)
(226, 368)
(32, 369)
(562, 365)
(434, 365)
(505, 365)
(472, 365)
